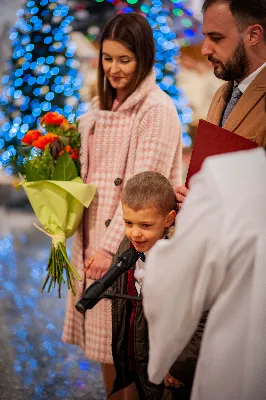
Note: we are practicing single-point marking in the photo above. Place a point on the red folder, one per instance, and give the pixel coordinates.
(212, 140)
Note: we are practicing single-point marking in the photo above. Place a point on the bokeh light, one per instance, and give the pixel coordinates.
(43, 56)
(34, 82)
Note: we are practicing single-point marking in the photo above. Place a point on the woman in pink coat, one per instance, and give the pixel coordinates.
(131, 127)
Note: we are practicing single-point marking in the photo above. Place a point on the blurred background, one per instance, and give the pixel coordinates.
(48, 61)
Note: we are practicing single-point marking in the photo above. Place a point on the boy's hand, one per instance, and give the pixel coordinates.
(181, 193)
(169, 380)
(97, 266)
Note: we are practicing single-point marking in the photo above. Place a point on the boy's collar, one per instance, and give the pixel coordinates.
(168, 234)
(142, 256)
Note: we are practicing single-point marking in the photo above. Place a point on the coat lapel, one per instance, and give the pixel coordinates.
(145, 87)
(255, 91)
(110, 124)
(216, 112)
(86, 123)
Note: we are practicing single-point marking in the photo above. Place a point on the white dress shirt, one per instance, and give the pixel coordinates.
(247, 81)
(139, 274)
(216, 261)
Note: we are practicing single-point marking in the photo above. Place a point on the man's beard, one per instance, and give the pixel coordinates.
(236, 68)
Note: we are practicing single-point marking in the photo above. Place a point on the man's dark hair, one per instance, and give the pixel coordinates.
(245, 12)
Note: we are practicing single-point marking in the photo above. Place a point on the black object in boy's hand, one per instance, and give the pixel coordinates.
(92, 295)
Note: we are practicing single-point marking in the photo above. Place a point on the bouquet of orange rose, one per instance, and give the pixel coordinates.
(48, 160)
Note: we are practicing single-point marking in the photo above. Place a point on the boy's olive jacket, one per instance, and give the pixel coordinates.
(184, 367)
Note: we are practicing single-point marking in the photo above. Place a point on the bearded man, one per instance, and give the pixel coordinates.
(235, 44)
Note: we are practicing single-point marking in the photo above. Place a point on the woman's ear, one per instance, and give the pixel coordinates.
(170, 219)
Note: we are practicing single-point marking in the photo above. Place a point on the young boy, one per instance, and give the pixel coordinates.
(149, 211)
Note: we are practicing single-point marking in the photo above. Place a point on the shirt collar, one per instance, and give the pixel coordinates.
(247, 81)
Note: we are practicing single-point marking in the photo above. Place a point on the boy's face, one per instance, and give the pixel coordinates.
(145, 227)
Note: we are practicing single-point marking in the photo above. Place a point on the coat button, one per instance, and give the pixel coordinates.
(107, 222)
(118, 182)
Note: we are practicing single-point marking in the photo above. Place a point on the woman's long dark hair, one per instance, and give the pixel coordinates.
(133, 31)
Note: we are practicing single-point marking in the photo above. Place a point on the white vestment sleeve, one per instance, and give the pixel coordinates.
(179, 281)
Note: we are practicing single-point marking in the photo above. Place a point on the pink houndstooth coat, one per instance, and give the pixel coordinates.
(143, 134)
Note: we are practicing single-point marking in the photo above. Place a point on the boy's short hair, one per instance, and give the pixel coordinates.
(149, 189)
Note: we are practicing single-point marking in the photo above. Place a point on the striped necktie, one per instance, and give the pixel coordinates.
(236, 94)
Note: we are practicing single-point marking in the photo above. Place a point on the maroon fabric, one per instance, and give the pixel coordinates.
(132, 292)
(212, 140)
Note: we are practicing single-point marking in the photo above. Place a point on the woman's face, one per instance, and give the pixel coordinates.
(119, 64)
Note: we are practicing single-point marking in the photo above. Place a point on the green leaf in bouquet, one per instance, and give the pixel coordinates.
(77, 164)
(35, 174)
(65, 169)
(74, 138)
(64, 139)
(53, 129)
(39, 167)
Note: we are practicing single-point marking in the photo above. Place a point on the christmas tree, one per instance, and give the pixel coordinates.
(163, 16)
(91, 14)
(41, 75)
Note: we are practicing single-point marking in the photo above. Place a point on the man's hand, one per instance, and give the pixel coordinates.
(97, 266)
(169, 380)
(181, 193)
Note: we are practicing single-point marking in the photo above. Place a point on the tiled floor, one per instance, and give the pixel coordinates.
(34, 362)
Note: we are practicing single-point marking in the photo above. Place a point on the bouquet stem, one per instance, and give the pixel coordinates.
(58, 262)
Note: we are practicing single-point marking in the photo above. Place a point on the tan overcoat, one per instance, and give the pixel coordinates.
(248, 118)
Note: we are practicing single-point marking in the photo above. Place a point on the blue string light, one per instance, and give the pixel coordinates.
(166, 66)
(36, 81)
(46, 367)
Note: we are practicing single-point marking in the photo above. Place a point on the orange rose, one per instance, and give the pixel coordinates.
(43, 141)
(66, 125)
(52, 118)
(31, 136)
(74, 153)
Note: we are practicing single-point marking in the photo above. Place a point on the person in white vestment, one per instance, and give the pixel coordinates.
(216, 261)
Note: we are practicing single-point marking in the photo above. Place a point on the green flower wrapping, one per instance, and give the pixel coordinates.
(59, 207)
